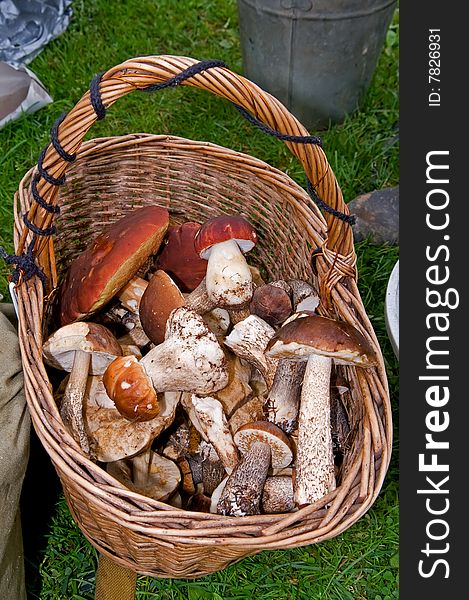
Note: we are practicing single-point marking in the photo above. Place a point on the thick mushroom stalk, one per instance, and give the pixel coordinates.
(315, 459)
(228, 279)
(242, 492)
(320, 340)
(283, 400)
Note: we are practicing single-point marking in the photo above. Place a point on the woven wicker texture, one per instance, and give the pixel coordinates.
(196, 180)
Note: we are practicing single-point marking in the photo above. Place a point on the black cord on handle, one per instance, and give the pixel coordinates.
(25, 264)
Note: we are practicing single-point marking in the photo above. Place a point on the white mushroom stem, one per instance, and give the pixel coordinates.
(242, 492)
(72, 403)
(141, 464)
(283, 400)
(213, 422)
(228, 278)
(315, 460)
(248, 340)
(199, 301)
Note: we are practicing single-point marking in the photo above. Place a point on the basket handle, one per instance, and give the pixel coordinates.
(140, 73)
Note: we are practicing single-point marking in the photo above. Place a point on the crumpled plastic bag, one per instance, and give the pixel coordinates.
(20, 92)
(26, 26)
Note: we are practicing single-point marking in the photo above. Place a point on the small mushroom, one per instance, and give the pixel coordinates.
(190, 359)
(81, 349)
(248, 339)
(148, 474)
(179, 258)
(213, 422)
(158, 301)
(303, 295)
(223, 241)
(271, 303)
(277, 495)
(262, 445)
(135, 397)
(320, 340)
(266, 433)
(110, 261)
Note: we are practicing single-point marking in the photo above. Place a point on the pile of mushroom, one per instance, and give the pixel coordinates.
(191, 379)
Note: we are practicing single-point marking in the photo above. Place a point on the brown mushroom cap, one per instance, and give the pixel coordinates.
(110, 261)
(179, 258)
(59, 349)
(131, 390)
(268, 433)
(271, 303)
(159, 299)
(223, 228)
(327, 337)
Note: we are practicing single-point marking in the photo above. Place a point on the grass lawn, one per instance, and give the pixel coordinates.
(362, 563)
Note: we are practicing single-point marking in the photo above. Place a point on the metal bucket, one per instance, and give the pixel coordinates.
(317, 57)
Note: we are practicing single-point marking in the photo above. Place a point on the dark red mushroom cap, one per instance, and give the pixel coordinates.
(110, 261)
(224, 228)
(179, 258)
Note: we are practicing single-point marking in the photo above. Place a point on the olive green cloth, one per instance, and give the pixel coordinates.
(114, 582)
(14, 454)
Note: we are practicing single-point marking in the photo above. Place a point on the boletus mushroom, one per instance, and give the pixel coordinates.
(179, 259)
(262, 445)
(319, 340)
(223, 241)
(248, 339)
(159, 299)
(81, 349)
(190, 359)
(148, 474)
(108, 263)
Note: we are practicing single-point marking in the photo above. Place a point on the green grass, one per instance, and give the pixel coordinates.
(362, 563)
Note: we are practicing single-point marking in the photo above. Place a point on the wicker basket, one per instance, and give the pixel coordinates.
(194, 180)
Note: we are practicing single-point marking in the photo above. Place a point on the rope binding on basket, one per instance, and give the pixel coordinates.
(26, 267)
